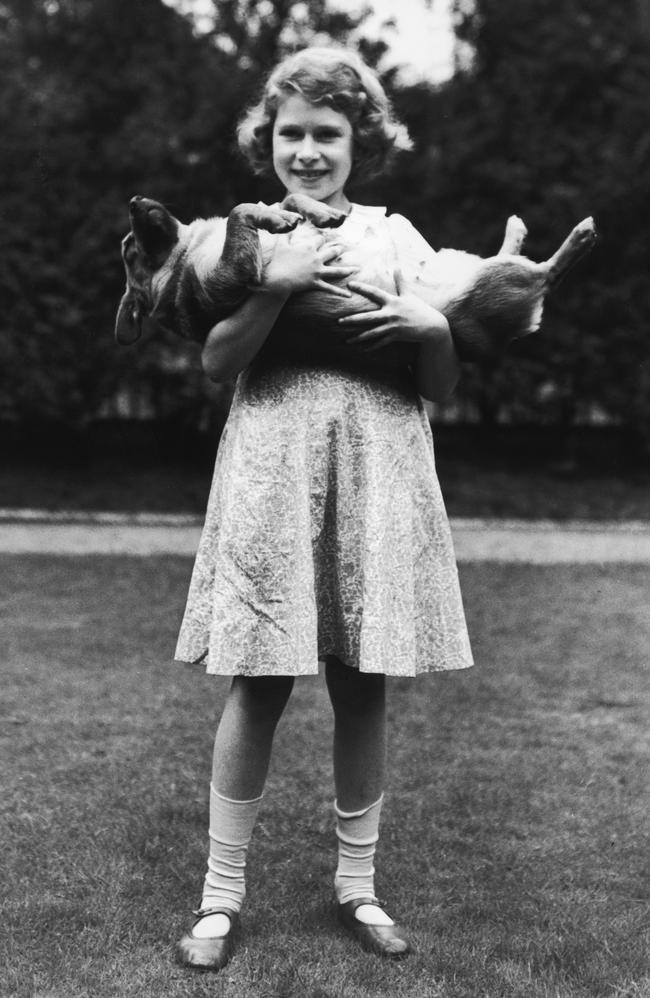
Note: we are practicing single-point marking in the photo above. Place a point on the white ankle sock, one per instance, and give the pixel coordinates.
(212, 927)
(231, 827)
(358, 833)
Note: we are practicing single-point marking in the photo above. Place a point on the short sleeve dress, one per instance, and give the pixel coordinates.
(325, 531)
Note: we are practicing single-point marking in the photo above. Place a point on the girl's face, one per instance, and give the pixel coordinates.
(312, 150)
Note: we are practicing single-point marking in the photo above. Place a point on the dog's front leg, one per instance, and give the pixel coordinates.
(240, 265)
(316, 212)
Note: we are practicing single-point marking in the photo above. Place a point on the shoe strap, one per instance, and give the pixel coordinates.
(203, 912)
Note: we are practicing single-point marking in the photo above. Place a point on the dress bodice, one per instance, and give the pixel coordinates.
(307, 329)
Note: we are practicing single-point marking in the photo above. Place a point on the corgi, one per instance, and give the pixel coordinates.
(185, 278)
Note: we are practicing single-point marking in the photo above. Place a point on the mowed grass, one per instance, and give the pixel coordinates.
(514, 843)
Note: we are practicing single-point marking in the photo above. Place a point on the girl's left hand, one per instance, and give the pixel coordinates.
(397, 319)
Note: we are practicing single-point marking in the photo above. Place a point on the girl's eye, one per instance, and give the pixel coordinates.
(322, 135)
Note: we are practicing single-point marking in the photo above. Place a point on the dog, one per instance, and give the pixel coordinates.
(187, 277)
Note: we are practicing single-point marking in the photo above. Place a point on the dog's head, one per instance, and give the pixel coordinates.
(145, 249)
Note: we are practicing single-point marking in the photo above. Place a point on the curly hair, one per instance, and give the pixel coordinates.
(336, 77)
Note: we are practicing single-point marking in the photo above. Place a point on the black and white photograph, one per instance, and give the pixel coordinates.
(325, 499)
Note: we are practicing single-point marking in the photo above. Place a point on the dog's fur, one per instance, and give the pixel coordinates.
(187, 277)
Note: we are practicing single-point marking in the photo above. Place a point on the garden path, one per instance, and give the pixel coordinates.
(523, 541)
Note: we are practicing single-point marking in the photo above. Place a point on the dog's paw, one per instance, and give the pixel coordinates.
(515, 234)
(585, 232)
(282, 220)
(319, 214)
(327, 218)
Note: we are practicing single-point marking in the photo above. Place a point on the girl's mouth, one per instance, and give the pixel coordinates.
(309, 174)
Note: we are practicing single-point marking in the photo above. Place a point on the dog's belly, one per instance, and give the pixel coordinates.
(308, 328)
(436, 282)
(322, 309)
(461, 285)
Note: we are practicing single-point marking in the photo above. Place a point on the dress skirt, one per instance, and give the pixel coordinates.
(325, 533)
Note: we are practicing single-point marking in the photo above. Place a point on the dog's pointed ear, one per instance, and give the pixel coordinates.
(128, 324)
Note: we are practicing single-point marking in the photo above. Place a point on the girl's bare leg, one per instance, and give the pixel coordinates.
(242, 751)
(242, 746)
(359, 704)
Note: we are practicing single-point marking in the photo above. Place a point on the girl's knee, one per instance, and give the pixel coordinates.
(262, 696)
(352, 690)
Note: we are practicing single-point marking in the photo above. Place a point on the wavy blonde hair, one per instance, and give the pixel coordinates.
(336, 77)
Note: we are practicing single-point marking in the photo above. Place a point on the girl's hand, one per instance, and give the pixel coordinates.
(305, 266)
(400, 318)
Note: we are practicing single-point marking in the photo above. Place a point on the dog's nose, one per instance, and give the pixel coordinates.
(136, 199)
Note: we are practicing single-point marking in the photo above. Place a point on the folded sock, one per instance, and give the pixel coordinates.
(231, 827)
(358, 833)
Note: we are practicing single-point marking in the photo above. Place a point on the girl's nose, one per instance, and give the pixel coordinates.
(307, 150)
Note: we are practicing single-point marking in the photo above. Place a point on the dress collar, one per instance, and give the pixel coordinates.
(373, 211)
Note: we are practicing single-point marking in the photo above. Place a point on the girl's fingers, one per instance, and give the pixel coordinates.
(370, 335)
(331, 252)
(361, 320)
(333, 289)
(371, 291)
(336, 273)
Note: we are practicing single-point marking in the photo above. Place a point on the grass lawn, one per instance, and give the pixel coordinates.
(514, 841)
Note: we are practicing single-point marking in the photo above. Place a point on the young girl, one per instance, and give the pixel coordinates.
(325, 535)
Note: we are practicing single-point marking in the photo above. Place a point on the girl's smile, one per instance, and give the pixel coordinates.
(312, 150)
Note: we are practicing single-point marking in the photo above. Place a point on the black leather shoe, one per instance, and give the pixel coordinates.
(385, 940)
(211, 953)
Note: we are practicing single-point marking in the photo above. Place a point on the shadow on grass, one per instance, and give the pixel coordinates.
(527, 472)
(514, 842)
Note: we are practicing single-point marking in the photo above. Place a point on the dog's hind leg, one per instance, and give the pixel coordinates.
(575, 246)
(514, 236)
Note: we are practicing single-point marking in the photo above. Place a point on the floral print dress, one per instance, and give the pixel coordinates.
(325, 531)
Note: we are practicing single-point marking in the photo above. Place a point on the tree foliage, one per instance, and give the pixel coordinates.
(107, 98)
(550, 122)
(103, 99)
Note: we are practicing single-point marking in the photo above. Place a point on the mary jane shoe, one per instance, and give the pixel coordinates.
(384, 940)
(212, 952)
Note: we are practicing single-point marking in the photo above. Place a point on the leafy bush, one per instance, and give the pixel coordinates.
(110, 98)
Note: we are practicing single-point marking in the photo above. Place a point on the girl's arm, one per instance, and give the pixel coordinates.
(405, 318)
(437, 368)
(294, 266)
(233, 342)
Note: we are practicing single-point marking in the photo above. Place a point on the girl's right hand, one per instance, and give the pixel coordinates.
(297, 265)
